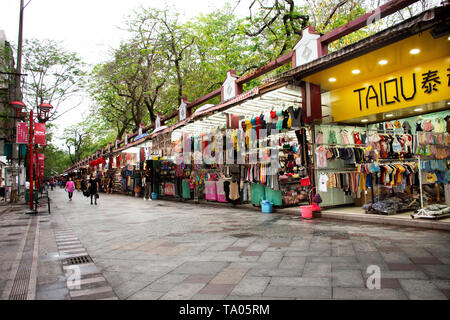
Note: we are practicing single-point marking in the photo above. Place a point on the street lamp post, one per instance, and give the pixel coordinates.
(42, 117)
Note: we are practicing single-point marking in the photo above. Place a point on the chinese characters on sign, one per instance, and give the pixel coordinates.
(39, 133)
(22, 132)
(430, 80)
(396, 89)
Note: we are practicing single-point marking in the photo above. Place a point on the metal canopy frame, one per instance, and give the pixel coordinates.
(276, 100)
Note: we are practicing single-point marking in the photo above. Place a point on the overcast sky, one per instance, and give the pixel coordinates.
(88, 27)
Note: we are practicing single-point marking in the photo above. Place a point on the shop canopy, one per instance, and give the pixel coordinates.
(278, 99)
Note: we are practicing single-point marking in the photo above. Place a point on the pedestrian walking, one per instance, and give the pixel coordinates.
(70, 187)
(147, 185)
(93, 188)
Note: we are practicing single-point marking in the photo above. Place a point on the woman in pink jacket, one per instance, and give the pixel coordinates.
(70, 187)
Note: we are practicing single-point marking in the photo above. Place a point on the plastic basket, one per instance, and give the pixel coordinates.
(266, 206)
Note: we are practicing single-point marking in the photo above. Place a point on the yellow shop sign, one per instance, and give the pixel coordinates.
(427, 83)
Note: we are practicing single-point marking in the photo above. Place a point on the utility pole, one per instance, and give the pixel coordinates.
(19, 54)
(18, 97)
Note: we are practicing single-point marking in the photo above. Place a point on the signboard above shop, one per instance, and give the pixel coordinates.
(411, 87)
(393, 80)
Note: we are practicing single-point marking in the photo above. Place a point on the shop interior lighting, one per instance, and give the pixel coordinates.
(356, 71)
(332, 79)
(418, 109)
(414, 51)
(389, 115)
(382, 62)
(364, 120)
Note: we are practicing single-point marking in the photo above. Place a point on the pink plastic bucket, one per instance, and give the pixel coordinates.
(306, 212)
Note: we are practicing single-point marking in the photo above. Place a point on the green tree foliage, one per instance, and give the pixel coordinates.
(54, 74)
(56, 159)
(87, 137)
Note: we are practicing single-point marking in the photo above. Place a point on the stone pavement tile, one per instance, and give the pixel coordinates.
(364, 246)
(198, 278)
(300, 244)
(298, 292)
(279, 244)
(219, 289)
(333, 259)
(270, 257)
(386, 283)
(171, 278)
(395, 257)
(347, 278)
(421, 290)
(317, 270)
(234, 248)
(229, 276)
(308, 253)
(342, 251)
(425, 260)
(415, 251)
(200, 296)
(129, 288)
(444, 260)
(146, 295)
(233, 297)
(389, 249)
(402, 266)
(437, 271)
(366, 294)
(300, 282)
(43, 280)
(251, 286)
(442, 284)
(446, 292)
(90, 292)
(60, 283)
(370, 258)
(347, 266)
(251, 253)
(404, 274)
(201, 267)
(292, 263)
(255, 246)
(56, 294)
(273, 272)
(244, 242)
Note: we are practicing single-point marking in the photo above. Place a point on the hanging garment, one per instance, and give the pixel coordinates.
(344, 137)
(296, 117)
(221, 196)
(427, 126)
(418, 126)
(323, 180)
(332, 137)
(319, 137)
(406, 127)
(234, 191)
(321, 156)
(211, 190)
(356, 137)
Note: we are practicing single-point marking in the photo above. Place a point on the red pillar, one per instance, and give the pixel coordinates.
(30, 140)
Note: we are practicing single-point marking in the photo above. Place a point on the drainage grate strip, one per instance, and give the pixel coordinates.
(19, 290)
(78, 260)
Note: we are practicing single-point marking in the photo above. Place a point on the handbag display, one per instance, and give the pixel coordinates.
(305, 182)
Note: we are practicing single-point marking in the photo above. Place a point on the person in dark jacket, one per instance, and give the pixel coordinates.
(93, 188)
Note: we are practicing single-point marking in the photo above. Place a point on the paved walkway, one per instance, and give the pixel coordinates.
(172, 250)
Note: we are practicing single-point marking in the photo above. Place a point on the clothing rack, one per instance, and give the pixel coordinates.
(339, 171)
(339, 144)
(390, 161)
